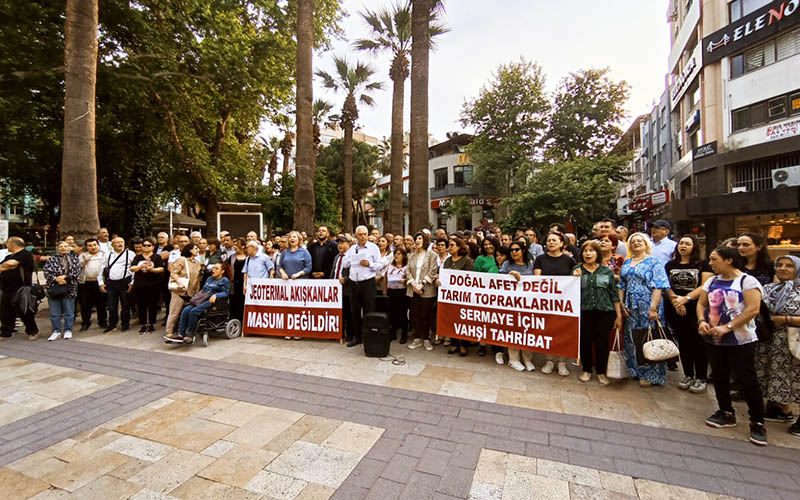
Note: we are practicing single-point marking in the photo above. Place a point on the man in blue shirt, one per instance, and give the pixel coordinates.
(257, 265)
(663, 247)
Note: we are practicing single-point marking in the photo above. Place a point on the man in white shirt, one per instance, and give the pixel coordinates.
(363, 261)
(102, 240)
(226, 245)
(116, 279)
(175, 254)
(252, 236)
(89, 294)
(663, 247)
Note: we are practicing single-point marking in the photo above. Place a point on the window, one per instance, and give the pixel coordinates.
(741, 119)
(777, 108)
(694, 139)
(737, 65)
(737, 9)
(758, 114)
(696, 96)
(794, 104)
(788, 45)
(462, 175)
(440, 178)
(778, 49)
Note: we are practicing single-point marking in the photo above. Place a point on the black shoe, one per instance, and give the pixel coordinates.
(758, 434)
(404, 338)
(452, 350)
(481, 351)
(773, 413)
(102, 325)
(143, 330)
(85, 327)
(125, 328)
(353, 342)
(737, 396)
(794, 429)
(672, 366)
(109, 329)
(721, 419)
(151, 328)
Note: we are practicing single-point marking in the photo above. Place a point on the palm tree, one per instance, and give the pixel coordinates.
(319, 112)
(78, 163)
(385, 157)
(304, 203)
(422, 13)
(350, 80)
(391, 30)
(286, 125)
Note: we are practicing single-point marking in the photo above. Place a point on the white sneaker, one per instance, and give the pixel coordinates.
(562, 369)
(530, 366)
(67, 335)
(547, 369)
(698, 386)
(685, 383)
(498, 357)
(287, 338)
(428, 345)
(54, 336)
(516, 365)
(415, 344)
(447, 341)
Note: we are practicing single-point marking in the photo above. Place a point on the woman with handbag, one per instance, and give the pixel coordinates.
(184, 281)
(147, 282)
(61, 273)
(641, 282)
(458, 260)
(600, 311)
(216, 287)
(687, 272)
(777, 365)
(728, 305)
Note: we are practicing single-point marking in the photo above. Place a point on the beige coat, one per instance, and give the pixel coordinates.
(427, 275)
(179, 271)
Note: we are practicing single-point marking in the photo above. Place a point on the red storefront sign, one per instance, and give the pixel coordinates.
(649, 200)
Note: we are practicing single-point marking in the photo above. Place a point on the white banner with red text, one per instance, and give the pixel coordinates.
(538, 313)
(293, 308)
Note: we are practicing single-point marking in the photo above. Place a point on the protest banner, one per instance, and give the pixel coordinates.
(293, 308)
(538, 313)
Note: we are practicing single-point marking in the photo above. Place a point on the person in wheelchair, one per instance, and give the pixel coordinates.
(216, 287)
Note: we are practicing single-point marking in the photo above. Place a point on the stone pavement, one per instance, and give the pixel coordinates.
(425, 445)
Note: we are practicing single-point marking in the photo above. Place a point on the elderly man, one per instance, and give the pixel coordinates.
(226, 245)
(196, 236)
(663, 247)
(252, 236)
(256, 265)
(89, 294)
(116, 279)
(16, 271)
(181, 241)
(102, 240)
(363, 261)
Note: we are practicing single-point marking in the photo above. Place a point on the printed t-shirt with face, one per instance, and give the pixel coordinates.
(725, 303)
(684, 278)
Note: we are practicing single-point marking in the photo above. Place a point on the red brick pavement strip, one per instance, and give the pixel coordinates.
(431, 443)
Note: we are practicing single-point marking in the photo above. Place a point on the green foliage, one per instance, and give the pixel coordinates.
(330, 161)
(459, 208)
(587, 111)
(509, 117)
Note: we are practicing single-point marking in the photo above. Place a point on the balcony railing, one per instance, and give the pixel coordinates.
(451, 190)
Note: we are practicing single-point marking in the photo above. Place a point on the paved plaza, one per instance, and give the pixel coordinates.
(123, 416)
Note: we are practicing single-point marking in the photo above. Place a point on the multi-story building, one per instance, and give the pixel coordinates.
(735, 99)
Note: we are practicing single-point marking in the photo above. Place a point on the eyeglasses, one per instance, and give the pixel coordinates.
(147, 244)
(516, 249)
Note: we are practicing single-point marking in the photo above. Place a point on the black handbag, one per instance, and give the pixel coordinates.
(57, 290)
(765, 329)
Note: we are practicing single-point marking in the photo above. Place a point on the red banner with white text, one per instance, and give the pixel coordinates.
(293, 308)
(538, 313)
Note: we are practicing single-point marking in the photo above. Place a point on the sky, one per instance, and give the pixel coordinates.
(629, 36)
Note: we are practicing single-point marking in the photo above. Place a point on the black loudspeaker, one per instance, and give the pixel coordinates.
(377, 334)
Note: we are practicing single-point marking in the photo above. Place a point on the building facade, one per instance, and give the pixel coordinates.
(735, 98)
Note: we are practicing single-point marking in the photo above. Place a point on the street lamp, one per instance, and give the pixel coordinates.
(170, 207)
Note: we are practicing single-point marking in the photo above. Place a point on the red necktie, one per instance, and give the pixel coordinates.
(338, 267)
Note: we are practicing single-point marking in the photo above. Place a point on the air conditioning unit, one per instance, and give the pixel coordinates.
(785, 177)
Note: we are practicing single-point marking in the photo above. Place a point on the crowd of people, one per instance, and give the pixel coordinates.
(734, 309)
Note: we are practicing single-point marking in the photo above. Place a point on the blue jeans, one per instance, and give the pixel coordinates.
(190, 316)
(65, 306)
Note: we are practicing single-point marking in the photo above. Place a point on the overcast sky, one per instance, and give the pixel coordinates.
(629, 36)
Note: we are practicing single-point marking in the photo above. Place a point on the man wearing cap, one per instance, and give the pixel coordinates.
(663, 247)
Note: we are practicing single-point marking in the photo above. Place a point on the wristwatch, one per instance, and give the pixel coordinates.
(730, 326)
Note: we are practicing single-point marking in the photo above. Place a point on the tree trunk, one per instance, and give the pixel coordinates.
(347, 189)
(418, 199)
(78, 165)
(396, 185)
(211, 210)
(304, 203)
(286, 158)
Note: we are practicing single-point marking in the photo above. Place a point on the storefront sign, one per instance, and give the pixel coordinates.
(752, 28)
(293, 308)
(649, 200)
(538, 313)
(475, 201)
(693, 121)
(687, 76)
(781, 130)
(704, 150)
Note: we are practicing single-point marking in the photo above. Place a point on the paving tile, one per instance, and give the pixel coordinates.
(385, 489)
(479, 491)
(456, 481)
(143, 449)
(354, 438)
(639, 470)
(107, 488)
(198, 488)
(569, 473)
(433, 461)
(399, 468)
(413, 445)
(85, 469)
(521, 484)
(274, 485)
(315, 492)
(366, 472)
(238, 466)
(421, 486)
(315, 464)
(16, 485)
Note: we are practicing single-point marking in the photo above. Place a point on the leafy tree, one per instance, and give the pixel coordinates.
(460, 209)
(352, 81)
(510, 118)
(587, 110)
(330, 164)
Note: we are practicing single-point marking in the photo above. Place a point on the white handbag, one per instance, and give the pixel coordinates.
(660, 349)
(793, 337)
(180, 284)
(616, 367)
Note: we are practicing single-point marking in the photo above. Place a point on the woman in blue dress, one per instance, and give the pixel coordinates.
(642, 280)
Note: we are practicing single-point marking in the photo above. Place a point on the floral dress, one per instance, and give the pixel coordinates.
(638, 283)
(777, 370)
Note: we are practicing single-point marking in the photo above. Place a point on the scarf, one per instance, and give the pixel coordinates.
(778, 294)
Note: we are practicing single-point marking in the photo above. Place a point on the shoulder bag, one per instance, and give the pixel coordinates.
(793, 338)
(616, 368)
(180, 283)
(659, 349)
(57, 290)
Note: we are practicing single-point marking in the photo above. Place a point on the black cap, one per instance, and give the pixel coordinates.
(662, 223)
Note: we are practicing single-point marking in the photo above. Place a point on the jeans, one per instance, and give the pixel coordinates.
(595, 326)
(90, 296)
(118, 298)
(190, 316)
(65, 306)
(741, 360)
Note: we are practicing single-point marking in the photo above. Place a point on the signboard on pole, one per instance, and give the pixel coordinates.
(3, 231)
(293, 308)
(538, 313)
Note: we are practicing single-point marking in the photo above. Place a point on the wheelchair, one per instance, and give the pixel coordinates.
(216, 321)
